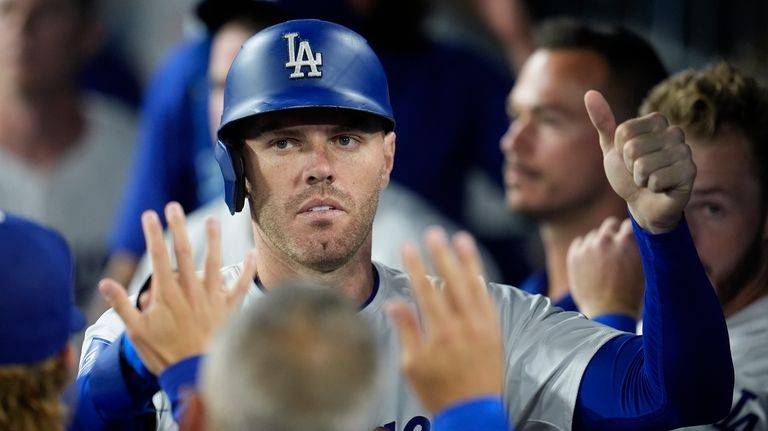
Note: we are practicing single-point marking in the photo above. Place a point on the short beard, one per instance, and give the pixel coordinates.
(345, 245)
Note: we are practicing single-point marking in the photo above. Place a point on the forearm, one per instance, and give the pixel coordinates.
(679, 372)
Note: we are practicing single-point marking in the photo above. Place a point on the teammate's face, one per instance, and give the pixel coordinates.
(553, 158)
(316, 177)
(724, 213)
(41, 43)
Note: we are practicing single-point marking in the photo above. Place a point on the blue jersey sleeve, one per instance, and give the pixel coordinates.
(114, 394)
(484, 413)
(679, 372)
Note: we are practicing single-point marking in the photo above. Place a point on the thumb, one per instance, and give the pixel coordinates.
(115, 295)
(602, 118)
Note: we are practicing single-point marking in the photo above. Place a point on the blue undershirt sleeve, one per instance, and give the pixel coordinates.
(113, 395)
(482, 413)
(177, 380)
(679, 372)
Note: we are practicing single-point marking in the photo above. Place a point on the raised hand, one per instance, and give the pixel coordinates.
(647, 163)
(184, 309)
(605, 274)
(459, 353)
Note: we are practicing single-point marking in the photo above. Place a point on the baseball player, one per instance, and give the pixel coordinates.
(307, 136)
(722, 111)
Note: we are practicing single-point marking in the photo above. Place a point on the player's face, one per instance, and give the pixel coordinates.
(724, 212)
(316, 177)
(553, 159)
(41, 43)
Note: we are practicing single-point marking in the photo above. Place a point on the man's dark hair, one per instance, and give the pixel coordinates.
(634, 66)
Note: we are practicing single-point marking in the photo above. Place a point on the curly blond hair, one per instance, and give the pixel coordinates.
(30, 395)
(705, 101)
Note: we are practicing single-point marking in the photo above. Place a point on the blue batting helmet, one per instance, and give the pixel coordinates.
(297, 64)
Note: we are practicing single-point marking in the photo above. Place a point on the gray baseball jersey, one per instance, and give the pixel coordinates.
(748, 333)
(547, 351)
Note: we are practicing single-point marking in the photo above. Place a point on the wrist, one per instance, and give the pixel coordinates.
(656, 228)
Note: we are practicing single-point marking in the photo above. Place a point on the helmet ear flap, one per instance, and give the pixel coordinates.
(232, 167)
(240, 191)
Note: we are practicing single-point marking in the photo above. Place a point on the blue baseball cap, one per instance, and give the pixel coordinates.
(37, 309)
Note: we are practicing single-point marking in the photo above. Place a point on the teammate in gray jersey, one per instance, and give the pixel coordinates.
(307, 136)
(723, 113)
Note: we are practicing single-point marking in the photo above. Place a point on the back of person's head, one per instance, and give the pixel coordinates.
(37, 316)
(299, 359)
(634, 66)
(702, 102)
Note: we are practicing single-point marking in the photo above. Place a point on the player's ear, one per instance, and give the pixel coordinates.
(193, 418)
(389, 158)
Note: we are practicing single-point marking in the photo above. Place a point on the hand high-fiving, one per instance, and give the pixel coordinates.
(647, 163)
(184, 308)
(459, 354)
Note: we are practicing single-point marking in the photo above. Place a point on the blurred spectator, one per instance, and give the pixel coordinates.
(64, 153)
(37, 315)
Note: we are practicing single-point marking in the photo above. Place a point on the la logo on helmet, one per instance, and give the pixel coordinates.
(305, 57)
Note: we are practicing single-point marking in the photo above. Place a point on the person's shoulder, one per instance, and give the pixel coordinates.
(748, 330)
(189, 56)
(520, 310)
(506, 292)
(513, 301)
(107, 328)
(181, 73)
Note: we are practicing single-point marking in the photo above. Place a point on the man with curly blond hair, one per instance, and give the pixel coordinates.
(724, 114)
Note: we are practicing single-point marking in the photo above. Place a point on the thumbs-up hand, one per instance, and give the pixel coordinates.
(647, 163)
